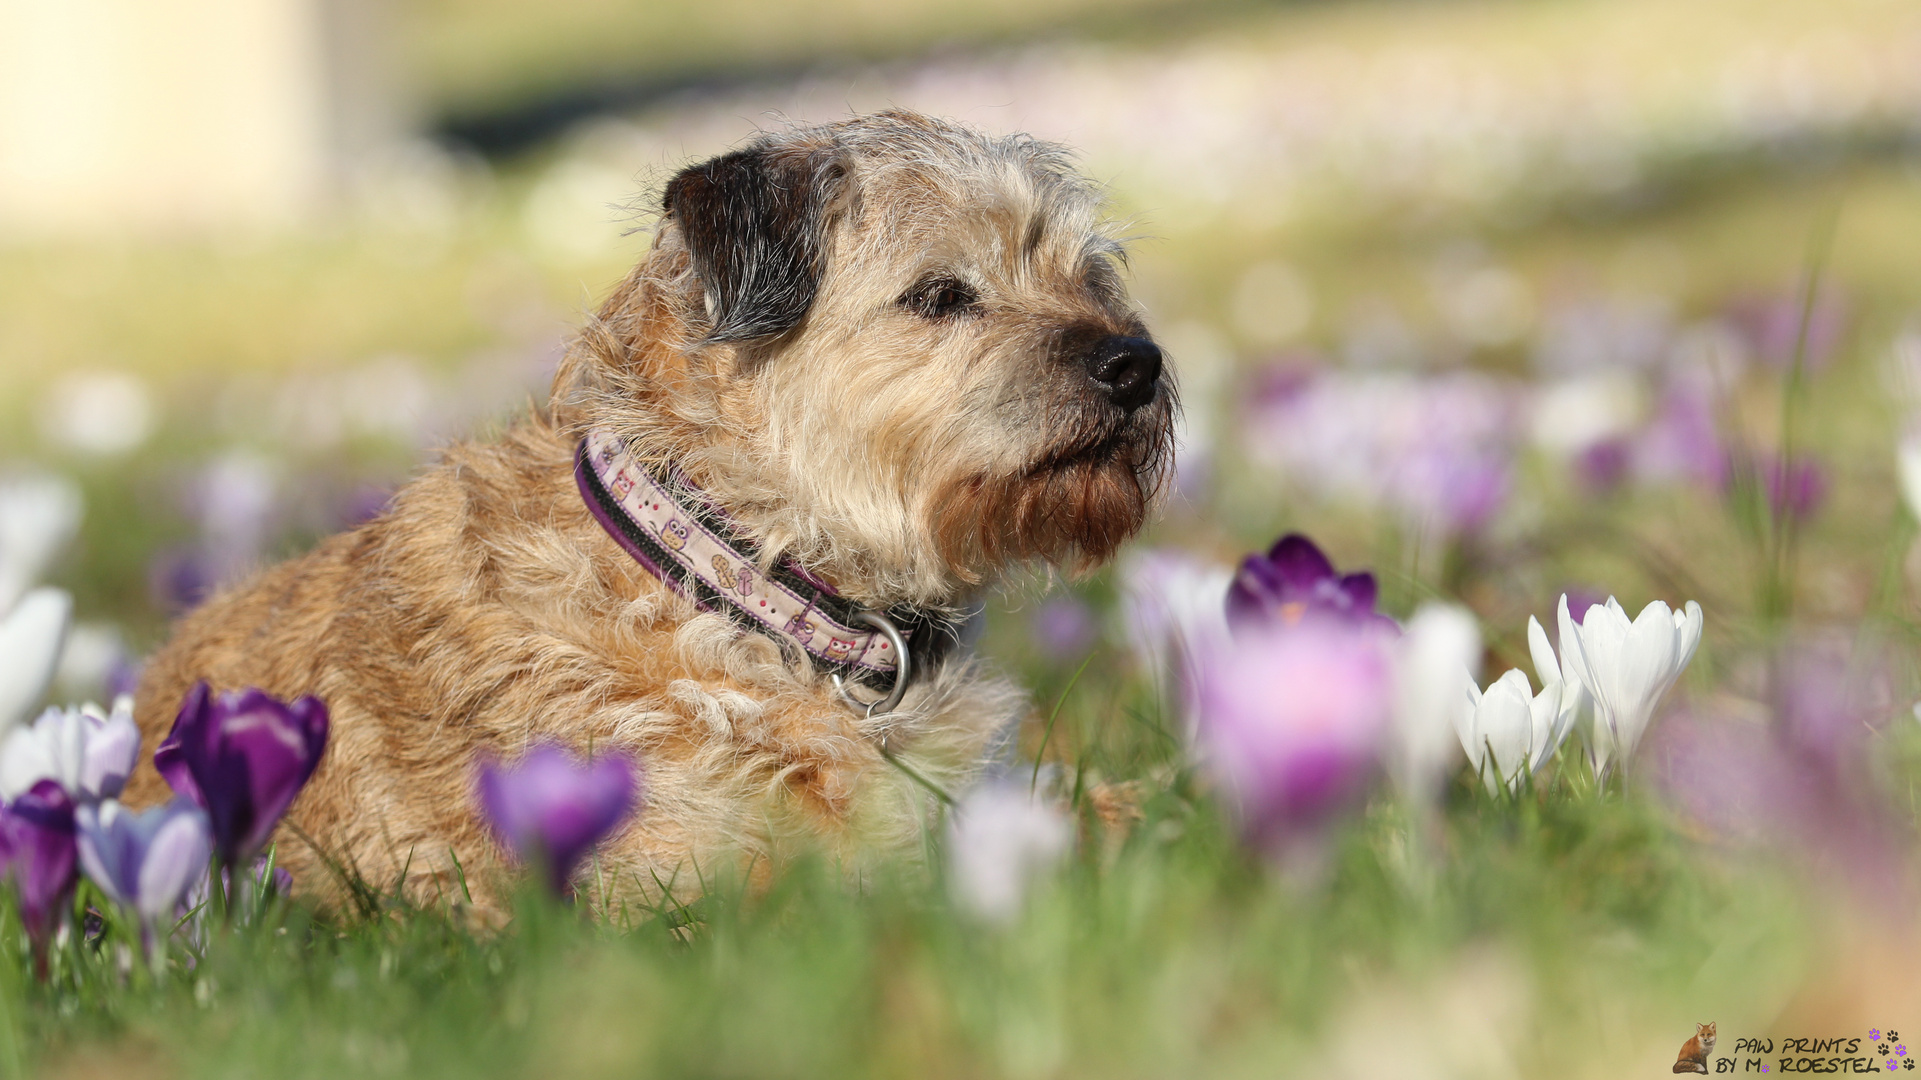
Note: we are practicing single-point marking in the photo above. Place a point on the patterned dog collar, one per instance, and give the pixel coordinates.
(687, 542)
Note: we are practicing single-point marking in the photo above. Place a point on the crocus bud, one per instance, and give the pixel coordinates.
(91, 753)
(550, 809)
(242, 758)
(37, 849)
(145, 861)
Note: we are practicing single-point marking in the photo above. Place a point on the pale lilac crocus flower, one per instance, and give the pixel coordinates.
(550, 808)
(1797, 768)
(90, 753)
(145, 862)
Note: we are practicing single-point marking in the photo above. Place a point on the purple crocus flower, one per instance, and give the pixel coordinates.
(145, 861)
(1294, 579)
(242, 758)
(1292, 718)
(550, 808)
(37, 849)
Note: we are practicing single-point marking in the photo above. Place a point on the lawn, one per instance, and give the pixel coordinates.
(1499, 301)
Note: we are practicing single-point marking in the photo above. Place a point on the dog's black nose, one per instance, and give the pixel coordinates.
(1127, 368)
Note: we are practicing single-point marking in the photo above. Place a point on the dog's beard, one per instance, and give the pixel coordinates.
(1087, 492)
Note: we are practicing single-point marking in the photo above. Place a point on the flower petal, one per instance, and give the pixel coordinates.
(112, 751)
(1546, 667)
(175, 857)
(31, 638)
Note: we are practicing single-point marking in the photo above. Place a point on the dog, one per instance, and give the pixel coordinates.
(865, 370)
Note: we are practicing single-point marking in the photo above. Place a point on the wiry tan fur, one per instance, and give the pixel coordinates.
(904, 459)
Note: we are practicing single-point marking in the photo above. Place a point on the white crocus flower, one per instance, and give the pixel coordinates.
(38, 516)
(1440, 641)
(1508, 731)
(1573, 702)
(90, 753)
(31, 636)
(1907, 460)
(999, 840)
(1628, 666)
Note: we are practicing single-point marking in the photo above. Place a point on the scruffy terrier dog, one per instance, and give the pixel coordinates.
(865, 369)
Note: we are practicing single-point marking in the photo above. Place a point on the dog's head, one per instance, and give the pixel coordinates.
(895, 347)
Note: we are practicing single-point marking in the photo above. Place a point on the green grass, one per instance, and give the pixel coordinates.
(1170, 953)
(1563, 934)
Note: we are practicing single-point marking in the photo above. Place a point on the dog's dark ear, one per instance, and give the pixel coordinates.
(753, 221)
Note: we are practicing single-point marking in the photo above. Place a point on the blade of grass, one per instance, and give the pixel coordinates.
(1047, 735)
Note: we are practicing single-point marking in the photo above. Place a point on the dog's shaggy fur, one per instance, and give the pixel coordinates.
(867, 341)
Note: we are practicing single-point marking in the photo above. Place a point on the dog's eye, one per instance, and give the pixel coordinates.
(939, 298)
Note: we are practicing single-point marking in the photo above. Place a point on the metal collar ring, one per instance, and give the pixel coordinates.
(903, 670)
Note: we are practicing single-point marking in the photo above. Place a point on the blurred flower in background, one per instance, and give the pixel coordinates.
(232, 500)
(101, 414)
(1436, 450)
(1293, 721)
(1294, 580)
(1172, 605)
(1063, 627)
(550, 808)
(1796, 770)
(1775, 325)
(38, 516)
(1001, 839)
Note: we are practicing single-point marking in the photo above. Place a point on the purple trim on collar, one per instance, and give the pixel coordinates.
(696, 550)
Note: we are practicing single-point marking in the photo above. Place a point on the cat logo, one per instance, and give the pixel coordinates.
(1694, 1052)
(673, 534)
